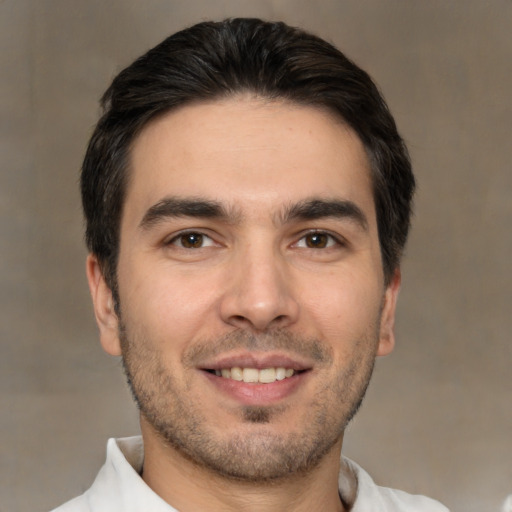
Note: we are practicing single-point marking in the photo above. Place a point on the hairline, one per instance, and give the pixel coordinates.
(110, 264)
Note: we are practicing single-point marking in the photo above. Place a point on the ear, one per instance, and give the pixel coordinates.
(387, 321)
(103, 303)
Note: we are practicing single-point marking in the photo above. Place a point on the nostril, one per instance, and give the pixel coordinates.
(240, 321)
(257, 324)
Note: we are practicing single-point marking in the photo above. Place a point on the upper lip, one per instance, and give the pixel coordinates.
(256, 360)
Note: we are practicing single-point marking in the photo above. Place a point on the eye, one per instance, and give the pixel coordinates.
(191, 240)
(317, 240)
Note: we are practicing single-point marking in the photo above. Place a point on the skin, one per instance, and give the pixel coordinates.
(262, 283)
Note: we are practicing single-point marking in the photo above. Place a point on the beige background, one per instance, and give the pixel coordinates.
(438, 417)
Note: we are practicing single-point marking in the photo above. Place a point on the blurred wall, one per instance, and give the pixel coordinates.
(438, 417)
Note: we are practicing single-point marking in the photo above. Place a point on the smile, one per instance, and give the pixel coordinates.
(255, 375)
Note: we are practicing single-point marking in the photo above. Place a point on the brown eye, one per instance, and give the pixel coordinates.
(191, 240)
(317, 240)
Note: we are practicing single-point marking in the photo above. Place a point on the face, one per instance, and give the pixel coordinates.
(252, 297)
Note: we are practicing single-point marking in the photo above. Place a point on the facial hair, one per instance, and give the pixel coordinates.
(257, 452)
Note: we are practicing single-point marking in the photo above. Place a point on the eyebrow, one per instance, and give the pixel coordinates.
(172, 207)
(313, 209)
(309, 209)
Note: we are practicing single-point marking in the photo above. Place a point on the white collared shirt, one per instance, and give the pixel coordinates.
(119, 488)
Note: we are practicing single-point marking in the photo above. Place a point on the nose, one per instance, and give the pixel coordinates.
(259, 292)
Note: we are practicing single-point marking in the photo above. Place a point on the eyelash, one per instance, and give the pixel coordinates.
(180, 237)
(331, 240)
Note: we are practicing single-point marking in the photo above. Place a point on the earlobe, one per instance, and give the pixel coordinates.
(104, 310)
(387, 321)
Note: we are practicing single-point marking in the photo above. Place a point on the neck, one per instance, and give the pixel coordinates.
(188, 487)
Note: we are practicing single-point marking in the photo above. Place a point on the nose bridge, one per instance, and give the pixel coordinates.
(260, 292)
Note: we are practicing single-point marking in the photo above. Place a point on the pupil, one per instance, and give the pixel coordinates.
(192, 240)
(316, 241)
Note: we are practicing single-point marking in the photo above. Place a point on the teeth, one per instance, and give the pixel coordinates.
(250, 375)
(253, 375)
(267, 375)
(237, 374)
(280, 373)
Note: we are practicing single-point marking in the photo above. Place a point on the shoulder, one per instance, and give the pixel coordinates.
(117, 481)
(78, 504)
(371, 497)
(401, 501)
(118, 487)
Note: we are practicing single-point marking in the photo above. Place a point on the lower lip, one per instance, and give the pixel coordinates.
(257, 394)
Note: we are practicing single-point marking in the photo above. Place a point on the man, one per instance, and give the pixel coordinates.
(247, 199)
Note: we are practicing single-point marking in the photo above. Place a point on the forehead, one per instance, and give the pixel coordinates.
(247, 152)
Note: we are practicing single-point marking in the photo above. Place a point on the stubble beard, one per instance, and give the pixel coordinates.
(256, 453)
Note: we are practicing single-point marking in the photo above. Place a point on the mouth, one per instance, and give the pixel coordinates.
(257, 378)
(255, 375)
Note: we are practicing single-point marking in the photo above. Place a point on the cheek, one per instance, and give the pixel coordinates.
(166, 304)
(344, 308)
